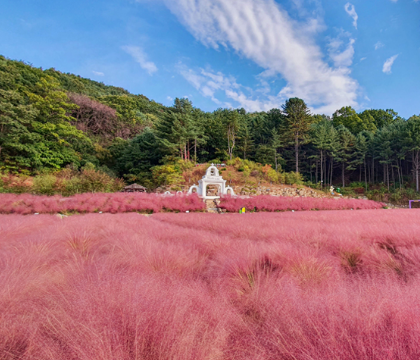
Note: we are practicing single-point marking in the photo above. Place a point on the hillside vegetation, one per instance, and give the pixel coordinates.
(50, 121)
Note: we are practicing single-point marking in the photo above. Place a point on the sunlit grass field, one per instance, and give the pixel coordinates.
(302, 285)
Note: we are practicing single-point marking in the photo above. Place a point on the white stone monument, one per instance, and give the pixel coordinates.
(212, 177)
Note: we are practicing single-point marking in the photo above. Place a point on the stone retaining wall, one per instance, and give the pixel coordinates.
(279, 191)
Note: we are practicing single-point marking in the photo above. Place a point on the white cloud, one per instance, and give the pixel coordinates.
(363, 59)
(208, 82)
(262, 31)
(138, 54)
(350, 9)
(388, 64)
(211, 84)
(98, 73)
(169, 98)
(341, 55)
(378, 45)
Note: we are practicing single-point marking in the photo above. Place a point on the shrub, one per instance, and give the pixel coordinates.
(96, 181)
(293, 178)
(357, 184)
(66, 182)
(16, 184)
(255, 173)
(270, 174)
(236, 162)
(44, 184)
(88, 203)
(166, 175)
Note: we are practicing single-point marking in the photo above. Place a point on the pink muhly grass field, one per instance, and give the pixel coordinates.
(24, 204)
(284, 203)
(310, 285)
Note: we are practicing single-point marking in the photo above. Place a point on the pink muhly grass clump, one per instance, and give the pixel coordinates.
(307, 285)
(98, 202)
(183, 203)
(284, 203)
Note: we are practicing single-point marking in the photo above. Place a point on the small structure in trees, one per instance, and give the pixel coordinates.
(134, 188)
(410, 202)
(209, 182)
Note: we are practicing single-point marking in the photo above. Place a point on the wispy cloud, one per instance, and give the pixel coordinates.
(26, 24)
(213, 85)
(208, 82)
(340, 52)
(388, 64)
(263, 32)
(139, 56)
(98, 73)
(378, 45)
(350, 9)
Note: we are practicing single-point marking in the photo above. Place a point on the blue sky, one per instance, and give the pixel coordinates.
(229, 53)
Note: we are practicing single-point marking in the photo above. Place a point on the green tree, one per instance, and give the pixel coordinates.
(230, 121)
(380, 118)
(412, 145)
(245, 139)
(324, 139)
(345, 145)
(137, 157)
(276, 144)
(60, 143)
(348, 117)
(360, 150)
(16, 140)
(296, 124)
(383, 142)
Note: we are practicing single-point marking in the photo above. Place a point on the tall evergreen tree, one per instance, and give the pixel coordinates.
(230, 121)
(344, 149)
(296, 124)
(324, 137)
(245, 139)
(276, 144)
(412, 145)
(360, 150)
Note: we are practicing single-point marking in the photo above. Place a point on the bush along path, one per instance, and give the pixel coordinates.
(282, 203)
(99, 202)
(25, 204)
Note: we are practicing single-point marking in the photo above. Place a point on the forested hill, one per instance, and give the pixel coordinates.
(50, 120)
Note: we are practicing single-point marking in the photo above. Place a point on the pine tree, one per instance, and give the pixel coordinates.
(296, 124)
(360, 150)
(276, 144)
(412, 145)
(324, 137)
(344, 149)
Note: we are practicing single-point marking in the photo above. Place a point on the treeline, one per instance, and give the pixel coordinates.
(50, 120)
